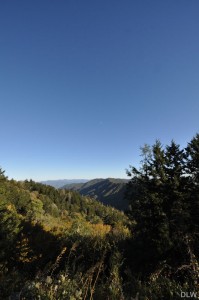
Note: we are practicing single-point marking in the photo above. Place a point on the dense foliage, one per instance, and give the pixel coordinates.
(164, 199)
(57, 244)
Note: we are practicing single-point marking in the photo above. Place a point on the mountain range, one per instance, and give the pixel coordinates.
(61, 182)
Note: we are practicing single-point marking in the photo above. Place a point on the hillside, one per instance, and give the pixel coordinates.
(45, 236)
(58, 244)
(109, 191)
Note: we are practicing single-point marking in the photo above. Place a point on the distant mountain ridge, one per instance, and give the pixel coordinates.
(109, 191)
(60, 182)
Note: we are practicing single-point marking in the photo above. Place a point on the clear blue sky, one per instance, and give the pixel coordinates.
(84, 84)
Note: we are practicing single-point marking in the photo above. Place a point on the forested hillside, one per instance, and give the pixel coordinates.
(57, 244)
(109, 191)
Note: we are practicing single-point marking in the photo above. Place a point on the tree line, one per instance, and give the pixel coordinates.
(56, 244)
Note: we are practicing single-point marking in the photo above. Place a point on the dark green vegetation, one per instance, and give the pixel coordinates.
(60, 182)
(109, 191)
(164, 197)
(56, 244)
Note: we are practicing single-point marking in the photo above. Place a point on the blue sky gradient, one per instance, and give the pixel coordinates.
(84, 84)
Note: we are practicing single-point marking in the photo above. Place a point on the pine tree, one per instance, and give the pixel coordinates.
(192, 173)
(176, 204)
(146, 194)
(159, 195)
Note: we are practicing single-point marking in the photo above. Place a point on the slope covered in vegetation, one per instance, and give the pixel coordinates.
(48, 235)
(109, 191)
(56, 244)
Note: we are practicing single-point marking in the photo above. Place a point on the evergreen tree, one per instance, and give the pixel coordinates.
(146, 194)
(163, 196)
(176, 205)
(192, 173)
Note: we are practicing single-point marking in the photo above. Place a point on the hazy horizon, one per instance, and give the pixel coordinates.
(56, 179)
